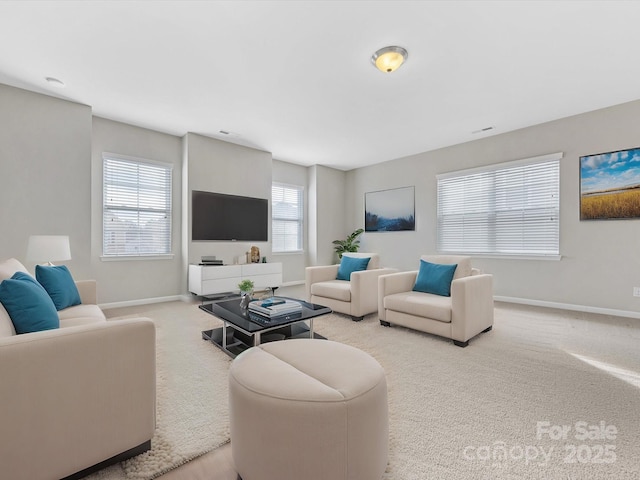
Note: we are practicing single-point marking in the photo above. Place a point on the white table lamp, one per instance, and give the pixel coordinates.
(48, 248)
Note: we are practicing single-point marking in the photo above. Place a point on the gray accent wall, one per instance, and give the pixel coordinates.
(122, 280)
(215, 166)
(51, 183)
(600, 259)
(327, 213)
(45, 174)
(293, 264)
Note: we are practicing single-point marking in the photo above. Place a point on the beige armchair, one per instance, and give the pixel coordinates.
(463, 315)
(356, 297)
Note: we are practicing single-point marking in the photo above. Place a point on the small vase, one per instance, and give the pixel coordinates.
(245, 298)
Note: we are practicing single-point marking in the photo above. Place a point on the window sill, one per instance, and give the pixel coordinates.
(292, 252)
(552, 258)
(129, 258)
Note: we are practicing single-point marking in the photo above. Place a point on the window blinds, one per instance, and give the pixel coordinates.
(507, 209)
(136, 207)
(286, 218)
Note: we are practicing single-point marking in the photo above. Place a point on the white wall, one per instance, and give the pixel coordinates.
(45, 174)
(126, 280)
(600, 259)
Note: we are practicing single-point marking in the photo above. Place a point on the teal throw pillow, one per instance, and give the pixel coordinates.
(59, 284)
(348, 265)
(28, 304)
(435, 278)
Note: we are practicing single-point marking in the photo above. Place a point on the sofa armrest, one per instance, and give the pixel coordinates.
(394, 283)
(318, 274)
(472, 306)
(364, 290)
(78, 395)
(88, 291)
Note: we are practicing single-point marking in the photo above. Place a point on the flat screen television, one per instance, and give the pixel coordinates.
(217, 216)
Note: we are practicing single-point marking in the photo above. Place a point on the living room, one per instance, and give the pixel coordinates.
(51, 164)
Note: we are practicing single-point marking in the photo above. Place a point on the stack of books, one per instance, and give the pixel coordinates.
(274, 307)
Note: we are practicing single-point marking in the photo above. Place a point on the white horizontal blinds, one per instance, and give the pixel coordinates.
(137, 207)
(507, 209)
(287, 217)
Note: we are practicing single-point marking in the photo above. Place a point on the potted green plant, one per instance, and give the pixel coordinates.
(246, 289)
(350, 244)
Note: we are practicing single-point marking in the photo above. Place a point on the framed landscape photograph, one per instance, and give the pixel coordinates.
(390, 210)
(610, 185)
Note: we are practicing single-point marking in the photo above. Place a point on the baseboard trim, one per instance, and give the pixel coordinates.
(568, 306)
(291, 284)
(141, 301)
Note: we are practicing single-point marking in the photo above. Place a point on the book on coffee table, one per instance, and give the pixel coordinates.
(273, 309)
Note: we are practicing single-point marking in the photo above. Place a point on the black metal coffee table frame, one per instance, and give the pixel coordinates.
(239, 332)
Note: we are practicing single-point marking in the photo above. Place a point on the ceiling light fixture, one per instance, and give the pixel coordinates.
(389, 59)
(55, 82)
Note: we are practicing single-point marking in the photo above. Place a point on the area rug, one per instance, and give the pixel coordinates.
(545, 395)
(192, 417)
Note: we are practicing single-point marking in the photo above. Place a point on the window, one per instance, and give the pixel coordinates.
(136, 207)
(286, 218)
(507, 209)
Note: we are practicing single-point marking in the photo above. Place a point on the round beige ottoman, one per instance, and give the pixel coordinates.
(308, 409)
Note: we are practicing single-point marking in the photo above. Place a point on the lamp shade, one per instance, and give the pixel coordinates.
(389, 59)
(48, 248)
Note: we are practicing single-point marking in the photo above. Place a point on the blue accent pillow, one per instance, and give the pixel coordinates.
(59, 284)
(435, 278)
(348, 265)
(28, 304)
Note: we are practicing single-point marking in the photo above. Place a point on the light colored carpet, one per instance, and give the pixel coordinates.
(454, 413)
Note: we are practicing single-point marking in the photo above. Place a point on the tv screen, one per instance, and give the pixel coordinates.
(216, 216)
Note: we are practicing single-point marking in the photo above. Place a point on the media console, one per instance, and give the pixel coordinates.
(212, 279)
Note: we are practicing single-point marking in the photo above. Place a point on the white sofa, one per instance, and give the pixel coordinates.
(76, 398)
(463, 315)
(356, 297)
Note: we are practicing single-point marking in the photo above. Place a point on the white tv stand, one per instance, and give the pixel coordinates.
(212, 279)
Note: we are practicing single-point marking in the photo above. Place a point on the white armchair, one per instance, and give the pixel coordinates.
(463, 315)
(356, 297)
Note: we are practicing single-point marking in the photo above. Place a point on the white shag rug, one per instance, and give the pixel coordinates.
(545, 395)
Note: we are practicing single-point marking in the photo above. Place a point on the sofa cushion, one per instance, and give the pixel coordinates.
(75, 321)
(9, 267)
(420, 304)
(59, 284)
(28, 304)
(83, 311)
(434, 278)
(336, 289)
(348, 265)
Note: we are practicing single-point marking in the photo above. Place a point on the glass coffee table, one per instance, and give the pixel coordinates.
(242, 328)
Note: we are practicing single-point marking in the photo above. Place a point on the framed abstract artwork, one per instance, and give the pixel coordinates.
(390, 210)
(610, 185)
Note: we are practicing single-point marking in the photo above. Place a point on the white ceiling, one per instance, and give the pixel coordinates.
(294, 77)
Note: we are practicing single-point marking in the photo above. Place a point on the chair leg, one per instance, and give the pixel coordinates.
(385, 323)
(460, 344)
(356, 319)
(488, 329)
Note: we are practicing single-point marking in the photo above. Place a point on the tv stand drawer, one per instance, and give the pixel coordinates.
(209, 280)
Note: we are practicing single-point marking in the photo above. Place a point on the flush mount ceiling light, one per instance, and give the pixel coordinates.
(389, 59)
(55, 82)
